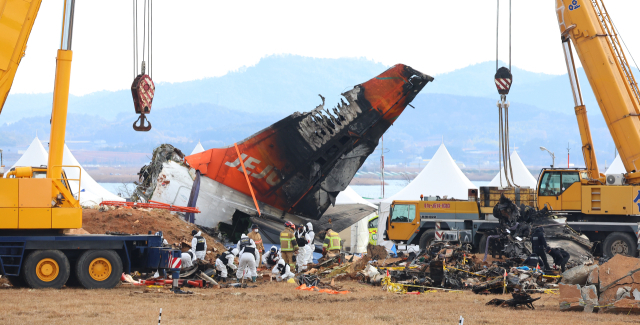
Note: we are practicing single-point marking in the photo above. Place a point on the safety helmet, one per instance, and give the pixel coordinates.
(255, 226)
(273, 249)
(289, 224)
(301, 226)
(194, 232)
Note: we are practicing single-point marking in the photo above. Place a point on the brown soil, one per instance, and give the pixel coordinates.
(277, 303)
(141, 221)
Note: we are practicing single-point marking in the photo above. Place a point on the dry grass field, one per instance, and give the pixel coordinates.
(276, 303)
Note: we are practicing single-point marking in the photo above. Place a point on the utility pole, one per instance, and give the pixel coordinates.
(568, 149)
(382, 164)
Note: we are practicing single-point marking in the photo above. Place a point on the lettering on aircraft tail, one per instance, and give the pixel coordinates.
(251, 164)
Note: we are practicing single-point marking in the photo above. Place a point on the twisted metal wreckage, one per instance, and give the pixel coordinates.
(451, 267)
(292, 170)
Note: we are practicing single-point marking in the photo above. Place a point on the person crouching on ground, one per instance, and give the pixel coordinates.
(271, 258)
(224, 260)
(282, 271)
(560, 257)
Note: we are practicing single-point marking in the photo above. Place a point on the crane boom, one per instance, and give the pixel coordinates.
(587, 24)
(16, 21)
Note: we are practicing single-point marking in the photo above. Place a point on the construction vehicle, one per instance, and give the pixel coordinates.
(432, 218)
(604, 208)
(36, 211)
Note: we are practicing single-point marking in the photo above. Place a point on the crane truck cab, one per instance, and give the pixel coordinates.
(607, 213)
(434, 218)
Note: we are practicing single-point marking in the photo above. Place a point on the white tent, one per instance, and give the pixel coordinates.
(616, 167)
(521, 175)
(357, 236)
(91, 193)
(197, 149)
(34, 156)
(440, 177)
(349, 196)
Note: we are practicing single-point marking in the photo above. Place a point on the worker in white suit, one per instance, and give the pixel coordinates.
(198, 244)
(303, 250)
(271, 258)
(187, 259)
(282, 271)
(310, 247)
(224, 260)
(248, 258)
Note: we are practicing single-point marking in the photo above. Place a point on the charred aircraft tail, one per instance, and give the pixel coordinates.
(300, 163)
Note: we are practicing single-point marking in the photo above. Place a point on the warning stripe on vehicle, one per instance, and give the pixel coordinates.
(176, 263)
(439, 235)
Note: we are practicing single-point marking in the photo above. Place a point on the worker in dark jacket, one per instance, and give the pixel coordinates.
(539, 246)
(560, 257)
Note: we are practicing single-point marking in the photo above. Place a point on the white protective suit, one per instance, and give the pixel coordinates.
(248, 260)
(265, 258)
(222, 268)
(311, 247)
(282, 271)
(200, 254)
(302, 257)
(187, 260)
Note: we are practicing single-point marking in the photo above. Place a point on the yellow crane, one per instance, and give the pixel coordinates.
(588, 198)
(35, 211)
(37, 203)
(605, 209)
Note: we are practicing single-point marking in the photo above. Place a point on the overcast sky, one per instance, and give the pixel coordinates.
(199, 39)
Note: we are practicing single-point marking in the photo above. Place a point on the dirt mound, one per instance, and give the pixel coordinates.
(141, 221)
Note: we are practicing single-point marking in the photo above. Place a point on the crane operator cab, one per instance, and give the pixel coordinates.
(561, 189)
(572, 192)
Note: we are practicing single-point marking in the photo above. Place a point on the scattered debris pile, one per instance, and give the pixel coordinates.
(148, 175)
(516, 224)
(613, 287)
(449, 267)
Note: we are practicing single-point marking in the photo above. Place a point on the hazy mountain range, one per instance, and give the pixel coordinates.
(458, 107)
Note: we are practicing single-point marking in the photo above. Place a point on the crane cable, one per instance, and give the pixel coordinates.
(147, 38)
(504, 155)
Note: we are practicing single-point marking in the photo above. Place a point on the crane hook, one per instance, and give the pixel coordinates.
(142, 91)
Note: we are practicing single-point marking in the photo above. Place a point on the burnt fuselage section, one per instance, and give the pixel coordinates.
(301, 163)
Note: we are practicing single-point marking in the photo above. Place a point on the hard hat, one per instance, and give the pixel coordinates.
(301, 226)
(194, 232)
(255, 226)
(289, 224)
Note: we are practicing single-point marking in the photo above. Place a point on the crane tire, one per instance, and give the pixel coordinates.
(427, 238)
(47, 268)
(619, 243)
(99, 269)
